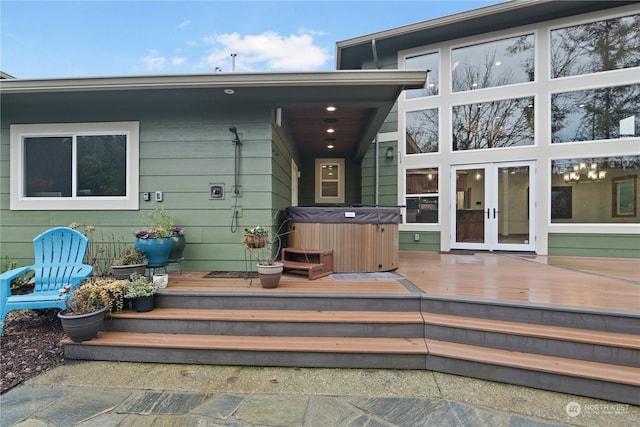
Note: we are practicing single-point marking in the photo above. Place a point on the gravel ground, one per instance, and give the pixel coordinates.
(29, 345)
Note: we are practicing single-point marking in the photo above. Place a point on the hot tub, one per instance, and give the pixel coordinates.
(363, 239)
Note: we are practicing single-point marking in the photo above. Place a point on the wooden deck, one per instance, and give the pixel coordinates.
(591, 283)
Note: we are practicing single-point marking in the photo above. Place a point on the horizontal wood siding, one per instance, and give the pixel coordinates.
(429, 241)
(388, 175)
(182, 151)
(600, 245)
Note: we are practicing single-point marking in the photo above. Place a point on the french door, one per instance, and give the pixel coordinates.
(493, 206)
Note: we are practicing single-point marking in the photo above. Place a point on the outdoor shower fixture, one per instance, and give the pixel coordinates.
(234, 131)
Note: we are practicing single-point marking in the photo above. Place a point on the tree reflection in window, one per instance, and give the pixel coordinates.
(492, 64)
(596, 114)
(595, 47)
(422, 131)
(495, 124)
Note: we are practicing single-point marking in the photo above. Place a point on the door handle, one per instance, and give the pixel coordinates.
(488, 214)
(495, 212)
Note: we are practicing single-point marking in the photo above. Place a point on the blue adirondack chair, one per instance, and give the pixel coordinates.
(59, 254)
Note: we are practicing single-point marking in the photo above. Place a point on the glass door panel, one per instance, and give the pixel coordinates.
(513, 205)
(469, 214)
(493, 206)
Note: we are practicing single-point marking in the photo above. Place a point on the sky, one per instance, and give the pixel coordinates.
(50, 39)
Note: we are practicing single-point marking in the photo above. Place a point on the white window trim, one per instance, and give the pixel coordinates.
(340, 179)
(19, 132)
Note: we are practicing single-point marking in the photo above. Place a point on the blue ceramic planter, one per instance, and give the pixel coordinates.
(155, 250)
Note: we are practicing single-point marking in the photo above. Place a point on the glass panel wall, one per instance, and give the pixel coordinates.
(422, 131)
(422, 195)
(594, 114)
(429, 61)
(495, 63)
(495, 124)
(595, 190)
(606, 45)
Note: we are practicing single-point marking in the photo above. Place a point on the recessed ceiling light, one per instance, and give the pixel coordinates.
(229, 91)
(331, 108)
(330, 130)
(330, 147)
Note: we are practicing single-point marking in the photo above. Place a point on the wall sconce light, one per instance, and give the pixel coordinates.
(389, 153)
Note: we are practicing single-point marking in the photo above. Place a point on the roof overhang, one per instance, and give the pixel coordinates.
(362, 98)
(352, 53)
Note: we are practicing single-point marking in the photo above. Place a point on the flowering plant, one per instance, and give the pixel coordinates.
(257, 231)
(158, 225)
(177, 231)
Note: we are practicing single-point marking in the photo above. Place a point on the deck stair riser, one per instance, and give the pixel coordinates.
(270, 322)
(260, 301)
(620, 322)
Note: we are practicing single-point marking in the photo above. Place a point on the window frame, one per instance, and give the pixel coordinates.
(435, 195)
(18, 199)
(340, 180)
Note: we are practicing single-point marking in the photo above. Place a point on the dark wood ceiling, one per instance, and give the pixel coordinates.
(309, 127)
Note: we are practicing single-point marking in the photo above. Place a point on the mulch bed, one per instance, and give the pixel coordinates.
(29, 345)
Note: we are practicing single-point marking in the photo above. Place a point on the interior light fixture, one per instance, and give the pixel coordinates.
(331, 108)
(330, 130)
(330, 147)
(229, 91)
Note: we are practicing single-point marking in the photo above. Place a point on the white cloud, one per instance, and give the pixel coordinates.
(184, 24)
(178, 60)
(154, 61)
(267, 51)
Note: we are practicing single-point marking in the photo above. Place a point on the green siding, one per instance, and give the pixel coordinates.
(429, 241)
(182, 151)
(597, 245)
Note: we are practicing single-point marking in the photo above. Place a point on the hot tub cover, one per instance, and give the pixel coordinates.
(344, 215)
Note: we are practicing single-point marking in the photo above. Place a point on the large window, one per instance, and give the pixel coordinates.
(429, 62)
(594, 114)
(494, 124)
(495, 63)
(422, 131)
(595, 190)
(422, 195)
(597, 46)
(75, 166)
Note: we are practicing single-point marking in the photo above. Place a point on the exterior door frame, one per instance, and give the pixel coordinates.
(491, 209)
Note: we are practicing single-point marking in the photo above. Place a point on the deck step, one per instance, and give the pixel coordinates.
(336, 352)
(596, 346)
(564, 375)
(270, 322)
(598, 380)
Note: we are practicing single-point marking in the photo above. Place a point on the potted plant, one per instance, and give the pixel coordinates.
(154, 240)
(264, 246)
(116, 290)
(178, 243)
(255, 237)
(130, 261)
(143, 292)
(86, 307)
